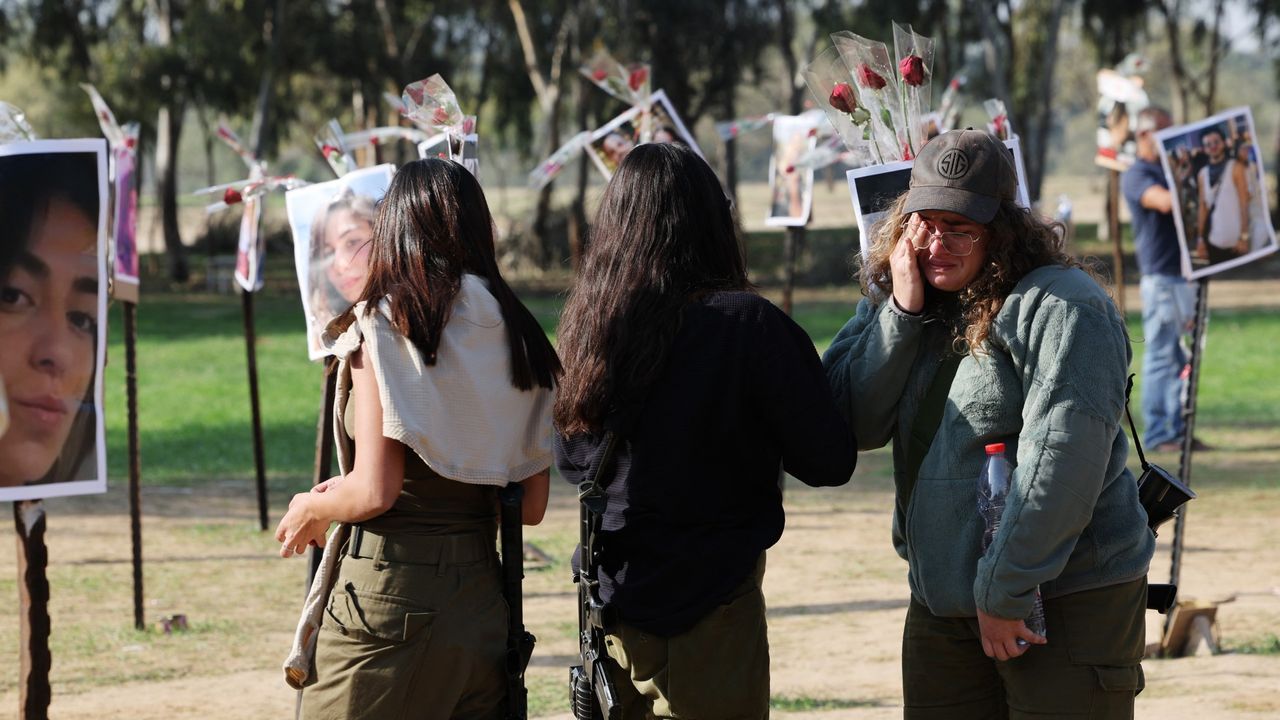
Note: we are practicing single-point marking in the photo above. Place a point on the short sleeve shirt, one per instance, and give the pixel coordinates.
(1154, 233)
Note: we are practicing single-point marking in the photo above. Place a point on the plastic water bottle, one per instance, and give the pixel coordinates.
(993, 488)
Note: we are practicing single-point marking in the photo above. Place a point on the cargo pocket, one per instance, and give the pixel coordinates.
(1129, 679)
(374, 617)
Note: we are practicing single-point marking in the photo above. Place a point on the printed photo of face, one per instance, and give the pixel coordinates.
(347, 237)
(615, 147)
(48, 329)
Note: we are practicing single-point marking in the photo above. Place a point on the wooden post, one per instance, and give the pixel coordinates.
(1188, 433)
(33, 605)
(251, 356)
(324, 451)
(791, 244)
(1113, 229)
(135, 465)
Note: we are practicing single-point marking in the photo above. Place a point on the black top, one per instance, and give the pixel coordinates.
(695, 497)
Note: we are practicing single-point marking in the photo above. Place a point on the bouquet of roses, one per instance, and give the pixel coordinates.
(999, 124)
(630, 84)
(829, 80)
(334, 149)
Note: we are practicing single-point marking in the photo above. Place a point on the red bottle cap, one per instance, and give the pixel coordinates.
(995, 449)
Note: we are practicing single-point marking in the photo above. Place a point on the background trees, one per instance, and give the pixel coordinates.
(279, 70)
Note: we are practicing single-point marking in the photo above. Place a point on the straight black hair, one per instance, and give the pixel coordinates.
(432, 226)
(664, 235)
(28, 183)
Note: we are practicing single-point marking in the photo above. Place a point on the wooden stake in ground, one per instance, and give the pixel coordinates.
(135, 464)
(33, 606)
(251, 357)
(1188, 433)
(1113, 229)
(791, 245)
(324, 451)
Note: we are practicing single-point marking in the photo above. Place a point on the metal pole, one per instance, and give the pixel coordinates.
(33, 603)
(251, 356)
(1188, 434)
(324, 452)
(135, 465)
(791, 243)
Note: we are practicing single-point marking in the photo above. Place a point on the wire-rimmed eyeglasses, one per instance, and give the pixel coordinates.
(957, 244)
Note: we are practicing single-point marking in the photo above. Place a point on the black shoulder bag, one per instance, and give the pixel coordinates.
(1160, 494)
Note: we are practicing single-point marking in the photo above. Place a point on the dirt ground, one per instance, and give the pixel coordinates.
(835, 590)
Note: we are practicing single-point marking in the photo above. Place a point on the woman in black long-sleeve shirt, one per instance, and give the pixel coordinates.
(713, 388)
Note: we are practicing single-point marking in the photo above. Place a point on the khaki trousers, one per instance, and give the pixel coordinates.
(1091, 667)
(717, 670)
(415, 627)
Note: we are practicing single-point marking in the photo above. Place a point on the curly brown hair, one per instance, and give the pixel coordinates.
(1017, 242)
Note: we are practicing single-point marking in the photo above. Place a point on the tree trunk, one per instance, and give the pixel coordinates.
(1035, 107)
(997, 50)
(168, 131)
(272, 30)
(793, 89)
(1181, 81)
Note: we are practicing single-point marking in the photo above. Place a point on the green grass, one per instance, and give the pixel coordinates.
(783, 703)
(1268, 644)
(194, 419)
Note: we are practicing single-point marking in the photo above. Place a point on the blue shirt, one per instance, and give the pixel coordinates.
(1154, 234)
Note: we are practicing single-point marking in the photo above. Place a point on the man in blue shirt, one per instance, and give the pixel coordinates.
(1168, 301)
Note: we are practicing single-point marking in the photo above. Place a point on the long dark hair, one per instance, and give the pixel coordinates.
(433, 226)
(664, 235)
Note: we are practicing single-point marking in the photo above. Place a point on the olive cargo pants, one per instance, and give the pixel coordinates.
(717, 670)
(1091, 667)
(415, 627)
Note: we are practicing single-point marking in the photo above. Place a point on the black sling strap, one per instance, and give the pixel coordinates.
(928, 418)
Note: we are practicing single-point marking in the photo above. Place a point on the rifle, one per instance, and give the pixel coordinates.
(519, 640)
(591, 690)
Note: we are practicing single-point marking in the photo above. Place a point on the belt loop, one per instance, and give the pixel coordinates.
(448, 550)
(378, 550)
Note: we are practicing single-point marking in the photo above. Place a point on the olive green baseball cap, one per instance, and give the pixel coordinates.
(962, 171)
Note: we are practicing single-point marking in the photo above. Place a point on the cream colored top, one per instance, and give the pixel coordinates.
(462, 416)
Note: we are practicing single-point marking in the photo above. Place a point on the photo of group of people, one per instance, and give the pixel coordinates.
(1215, 168)
(53, 300)
(874, 188)
(332, 225)
(615, 139)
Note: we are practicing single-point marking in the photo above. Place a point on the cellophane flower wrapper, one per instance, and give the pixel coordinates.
(395, 101)
(13, 125)
(106, 119)
(251, 188)
(915, 97)
(335, 150)
(889, 129)
(231, 140)
(548, 169)
(828, 151)
(432, 106)
(952, 103)
(730, 129)
(999, 124)
(382, 136)
(616, 79)
(821, 76)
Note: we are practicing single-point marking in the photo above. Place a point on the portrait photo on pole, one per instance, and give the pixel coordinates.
(53, 303)
(611, 142)
(332, 226)
(125, 222)
(251, 251)
(874, 188)
(1120, 98)
(1220, 194)
(791, 187)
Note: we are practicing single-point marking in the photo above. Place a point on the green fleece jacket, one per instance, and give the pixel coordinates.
(1051, 387)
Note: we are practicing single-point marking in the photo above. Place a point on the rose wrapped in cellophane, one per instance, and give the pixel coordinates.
(831, 83)
(999, 124)
(549, 168)
(730, 129)
(915, 73)
(874, 76)
(334, 149)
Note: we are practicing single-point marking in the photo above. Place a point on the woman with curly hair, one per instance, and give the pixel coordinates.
(978, 329)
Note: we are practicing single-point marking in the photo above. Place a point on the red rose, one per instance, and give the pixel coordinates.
(911, 68)
(638, 77)
(869, 78)
(599, 75)
(440, 116)
(130, 142)
(373, 139)
(327, 150)
(906, 152)
(843, 98)
(231, 196)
